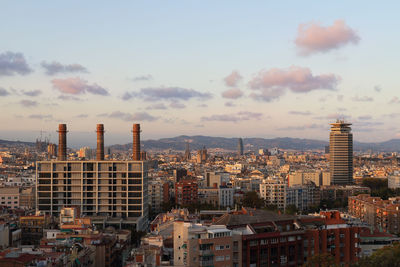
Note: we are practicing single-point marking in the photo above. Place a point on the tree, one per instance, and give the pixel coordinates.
(252, 200)
(291, 209)
(385, 257)
(321, 260)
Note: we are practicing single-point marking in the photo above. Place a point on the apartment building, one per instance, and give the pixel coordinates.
(276, 192)
(199, 245)
(186, 192)
(272, 239)
(155, 193)
(225, 196)
(10, 197)
(98, 188)
(382, 215)
(301, 177)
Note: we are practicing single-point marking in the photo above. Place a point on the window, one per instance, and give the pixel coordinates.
(227, 257)
(219, 258)
(219, 247)
(227, 246)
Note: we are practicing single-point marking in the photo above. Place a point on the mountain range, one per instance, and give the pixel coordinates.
(197, 142)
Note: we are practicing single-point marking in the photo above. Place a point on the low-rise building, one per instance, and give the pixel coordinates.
(9, 196)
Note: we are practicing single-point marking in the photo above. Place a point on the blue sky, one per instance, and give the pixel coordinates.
(163, 64)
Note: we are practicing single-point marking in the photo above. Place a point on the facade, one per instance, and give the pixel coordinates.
(209, 196)
(27, 198)
(394, 181)
(336, 238)
(216, 179)
(335, 192)
(9, 196)
(240, 147)
(32, 228)
(303, 177)
(341, 153)
(155, 193)
(274, 192)
(270, 239)
(198, 245)
(382, 215)
(303, 196)
(225, 196)
(116, 189)
(186, 192)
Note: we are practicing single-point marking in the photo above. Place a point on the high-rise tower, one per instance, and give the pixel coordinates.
(240, 147)
(341, 153)
(187, 152)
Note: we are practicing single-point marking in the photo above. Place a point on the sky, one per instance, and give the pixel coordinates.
(219, 68)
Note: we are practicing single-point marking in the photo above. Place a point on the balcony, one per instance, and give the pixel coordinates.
(208, 263)
(206, 253)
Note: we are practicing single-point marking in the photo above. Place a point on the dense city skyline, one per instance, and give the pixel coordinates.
(188, 69)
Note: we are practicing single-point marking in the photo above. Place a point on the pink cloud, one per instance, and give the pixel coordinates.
(232, 79)
(273, 83)
(232, 93)
(77, 86)
(313, 37)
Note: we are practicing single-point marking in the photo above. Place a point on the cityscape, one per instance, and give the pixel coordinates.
(199, 134)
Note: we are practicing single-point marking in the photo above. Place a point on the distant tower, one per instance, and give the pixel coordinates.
(341, 153)
(62, 142)
(136, 142)
(240, 147)
(204, 154)
(187, 152)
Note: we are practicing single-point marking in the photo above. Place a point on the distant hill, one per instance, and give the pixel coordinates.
(198, 141)
(15, 143)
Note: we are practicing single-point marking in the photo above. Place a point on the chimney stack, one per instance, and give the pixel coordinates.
(136, 142)
(100, 142)
(62, 142)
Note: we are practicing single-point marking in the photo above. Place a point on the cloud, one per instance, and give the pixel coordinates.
(362, 99)
(82, 116)
(394, 100)
(340, 97)
(3, 92)
(233, 79)
(41, 117)
(32, 93)
(28, 103)
(203, 105)
(69, 98)
(313, 37)
(147, 77)
(365, 117)
(166, 93)
(232, 93)
(13, 63)
(333, 116)
(240, 116)
(77, 86)
(303, 113)
(391, 115)
(303, 127)
(56, 67)
(229, 104)
(157, 106)
(177, 105)
(273, 83)
(377, 88)
(138, 116)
